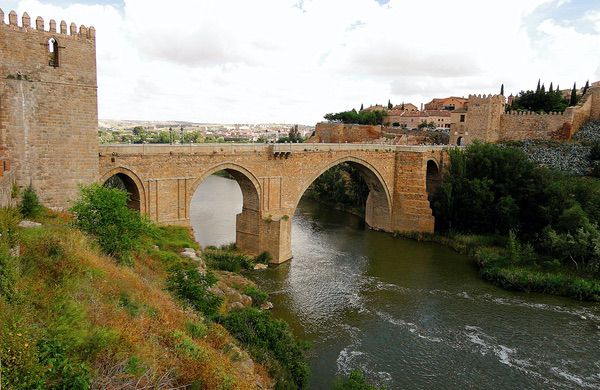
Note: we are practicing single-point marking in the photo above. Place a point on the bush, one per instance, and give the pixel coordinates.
(192, 288)
(269, 339)
(263, 258)
(103, 213)
(227, 260)
(356, 381)
(30, 204)
(258, 296)
(9, 270)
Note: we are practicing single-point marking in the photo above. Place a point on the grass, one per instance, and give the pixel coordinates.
(74, 318)
(495, 266)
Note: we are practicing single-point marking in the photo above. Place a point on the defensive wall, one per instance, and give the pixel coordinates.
(487, 120)
(163, 178)
(48, 105)
(329, 132)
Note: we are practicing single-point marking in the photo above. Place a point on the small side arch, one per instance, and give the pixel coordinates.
(378, 210)
(433, 178)
(133, 185)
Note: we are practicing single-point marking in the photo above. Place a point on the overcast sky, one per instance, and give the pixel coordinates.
(244, 61)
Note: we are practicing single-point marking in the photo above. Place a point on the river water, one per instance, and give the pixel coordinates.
(410, 315)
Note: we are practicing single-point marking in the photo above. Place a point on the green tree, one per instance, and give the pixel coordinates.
(361, 107)
(102, 212)
(585, 88)
(491, 189)
(30, 204)
(390, 105)
(502, 90)
(359, 118)
(573, 100)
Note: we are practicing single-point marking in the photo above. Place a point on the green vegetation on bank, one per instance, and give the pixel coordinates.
(548, 221)
(74, 314)
(355, 381)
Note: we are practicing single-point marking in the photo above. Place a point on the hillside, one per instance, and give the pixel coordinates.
(71, 317)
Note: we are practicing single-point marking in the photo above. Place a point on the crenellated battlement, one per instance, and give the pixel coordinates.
(73, 32)
(533, 113)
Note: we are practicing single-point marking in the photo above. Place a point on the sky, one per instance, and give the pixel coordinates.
(292, 61)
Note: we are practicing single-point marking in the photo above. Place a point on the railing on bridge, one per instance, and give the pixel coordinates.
(148, 149)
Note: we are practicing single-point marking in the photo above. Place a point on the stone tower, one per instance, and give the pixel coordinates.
(49, 105)
(483, 119)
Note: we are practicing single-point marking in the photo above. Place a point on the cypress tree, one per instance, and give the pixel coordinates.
(551, 89)
(361, 107)
(573, 100)
(543, 90)
(502, 90)
(587, 85)
(402, 108)
(539, 86)
(390, 106)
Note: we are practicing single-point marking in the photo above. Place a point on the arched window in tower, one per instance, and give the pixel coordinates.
(53, 52)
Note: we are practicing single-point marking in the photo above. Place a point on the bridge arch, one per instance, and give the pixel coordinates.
(248, 221)
(131, 183)
(378, 208)
(433, 178)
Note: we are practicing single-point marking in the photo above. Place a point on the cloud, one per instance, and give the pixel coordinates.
(290, 60)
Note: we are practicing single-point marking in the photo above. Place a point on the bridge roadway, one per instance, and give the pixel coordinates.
(162, 180)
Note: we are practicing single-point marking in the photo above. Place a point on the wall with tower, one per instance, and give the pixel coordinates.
(48, 105)
(487, 121)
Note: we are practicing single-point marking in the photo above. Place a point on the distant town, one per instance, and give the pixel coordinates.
(132, 131)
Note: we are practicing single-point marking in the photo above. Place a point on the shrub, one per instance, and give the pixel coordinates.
(192, 288)
(258, 296)
(595, 151)
(227, 260)
(103, 213)
(30, 204)
(269, 339)
(263, 258)
(9, 270)
(355, 381)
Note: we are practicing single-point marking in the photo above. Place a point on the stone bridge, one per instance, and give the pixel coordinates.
(162, 179)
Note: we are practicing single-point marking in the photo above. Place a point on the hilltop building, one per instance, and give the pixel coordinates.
(448, 104)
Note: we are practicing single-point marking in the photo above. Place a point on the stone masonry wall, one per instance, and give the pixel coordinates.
(48, 114)
(342, 133)
(486, 120)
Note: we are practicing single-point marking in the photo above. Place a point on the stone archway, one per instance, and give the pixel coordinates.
(248, 238)
(460, 141)
(433, 179)
(378, 209)
(127, 180)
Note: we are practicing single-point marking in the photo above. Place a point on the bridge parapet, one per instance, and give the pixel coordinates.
(151, 149)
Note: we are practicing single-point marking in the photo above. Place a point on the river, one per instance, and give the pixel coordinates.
(410, 315)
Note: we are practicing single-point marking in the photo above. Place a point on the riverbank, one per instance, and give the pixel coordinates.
(498, 265)
(71, 316)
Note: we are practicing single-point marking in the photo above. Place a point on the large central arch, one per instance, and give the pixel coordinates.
(248, 221)
(378, 209)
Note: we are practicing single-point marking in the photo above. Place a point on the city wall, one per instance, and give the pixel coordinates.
(342, 133)
(487, 121)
